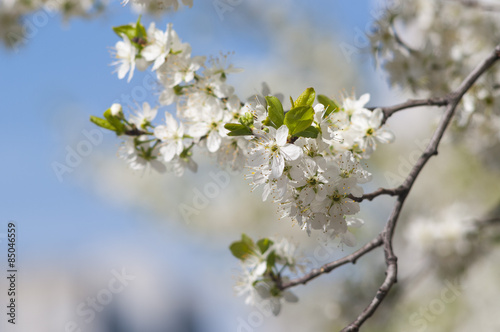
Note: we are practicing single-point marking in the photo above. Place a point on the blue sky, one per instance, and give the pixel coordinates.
(50, 87)
(68, 64)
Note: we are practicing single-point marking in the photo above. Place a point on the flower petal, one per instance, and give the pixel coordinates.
(291, 152)
(282, 135)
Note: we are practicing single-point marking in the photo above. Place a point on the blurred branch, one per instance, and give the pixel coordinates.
(386, 236)
(400, 41)
(480, 5)
(487, 222)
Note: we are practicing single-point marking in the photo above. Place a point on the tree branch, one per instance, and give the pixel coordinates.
(386, 236)
(390, 110)
(388, 232)
(378, 192)
(352, 258)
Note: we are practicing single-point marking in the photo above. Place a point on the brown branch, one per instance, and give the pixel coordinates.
(390, 110)
(378, 192)
(386, 236)
(352, 258)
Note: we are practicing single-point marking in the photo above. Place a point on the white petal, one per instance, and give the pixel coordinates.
(282, 135)
(319, 108)
(307, 195)
(275, 306)
(123, 69)
(171, 122)
(161, 133)
(376, 118)
(151, 52)
(290, 297)
(158, 62)
(261, 268)
(213, 141)
(355, 222)
(291, 152)
(277, 166)
(364, 99)
(348, 239)
(385, 136)
(266, 192)
(198, 129)
(168, 151)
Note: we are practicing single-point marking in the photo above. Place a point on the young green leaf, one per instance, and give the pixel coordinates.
(330, 105)
(240, 250)
(236, 129)
(115, 122)
(276, 114)
(127, 30)
(264, 244)
(101, 123)
(140, 31)
(246, 239)
(306, 98)
(299, 119)
(311, 132)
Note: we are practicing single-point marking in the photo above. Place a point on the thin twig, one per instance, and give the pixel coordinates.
(378, 192)
(352, 258)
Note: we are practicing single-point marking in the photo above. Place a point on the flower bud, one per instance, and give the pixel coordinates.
(116, 109)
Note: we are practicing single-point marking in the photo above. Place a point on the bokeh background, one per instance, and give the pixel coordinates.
(76, 227)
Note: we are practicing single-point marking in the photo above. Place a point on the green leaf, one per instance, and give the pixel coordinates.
(236, 129)
(115, 122)
(140, 31)
(246, 239)
(311, 132)
(233, 126)
(264, 244)
(330, 105)
(299, 119)
(240, 250)
(127, 30)
(276, 114)
(306, 98)
(244, 248)
(101, 123)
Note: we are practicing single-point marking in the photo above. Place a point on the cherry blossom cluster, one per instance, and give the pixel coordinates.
(263, 264)
(444, 236)
(307, 158)
(428, 47)
(204, 102)
(311, 166)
